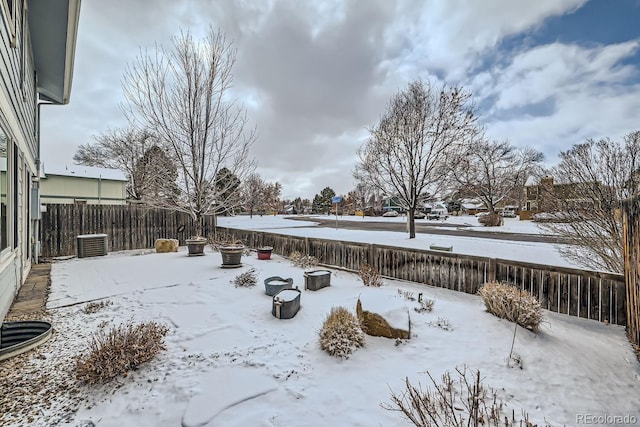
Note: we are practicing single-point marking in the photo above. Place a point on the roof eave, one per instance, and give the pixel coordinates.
(72, 36)
(54, 28)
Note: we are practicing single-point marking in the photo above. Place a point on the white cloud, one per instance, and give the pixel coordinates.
(315, 75)
(551, 70)
(588, 88)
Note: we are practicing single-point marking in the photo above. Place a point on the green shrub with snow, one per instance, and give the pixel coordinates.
(341, 333)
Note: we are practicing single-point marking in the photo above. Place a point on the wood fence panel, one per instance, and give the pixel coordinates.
(631, 236)
(127, 227)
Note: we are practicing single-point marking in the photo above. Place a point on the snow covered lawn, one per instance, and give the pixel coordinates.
(229, 362)
(541, 253)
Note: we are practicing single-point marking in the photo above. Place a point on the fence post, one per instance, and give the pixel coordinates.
(631, 245)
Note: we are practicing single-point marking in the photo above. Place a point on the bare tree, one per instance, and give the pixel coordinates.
(361, 194)
(183, 95)
(494, 171)
(410, 150)
(253, 192)
(593, 178)
(120, 149)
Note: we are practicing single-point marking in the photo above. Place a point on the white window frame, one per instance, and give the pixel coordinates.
(11, 20)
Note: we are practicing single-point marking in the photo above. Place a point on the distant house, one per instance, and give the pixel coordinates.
(472, 206)
(545, 195)
(82, 185)
(391, 204)
(37, 50)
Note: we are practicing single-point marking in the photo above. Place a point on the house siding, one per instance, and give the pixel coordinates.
(18, 105)
(68, 189)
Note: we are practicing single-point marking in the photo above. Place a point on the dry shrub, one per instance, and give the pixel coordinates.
(406, 295)
(302, 261)
(94, 307)
(426, 305)
(490, 220)
(370, 275)
(464, 401)
(340, 333)
(442, 323)
(508, 302)
(222, 240)
(246, 279)
(120, 350)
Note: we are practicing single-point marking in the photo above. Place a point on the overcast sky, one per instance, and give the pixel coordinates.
(314, 75)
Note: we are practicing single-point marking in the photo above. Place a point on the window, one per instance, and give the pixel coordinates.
(27, 204)
(10, 13)
(16, 185)
(4, 237)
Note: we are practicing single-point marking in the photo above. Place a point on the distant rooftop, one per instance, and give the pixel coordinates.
(83, 171)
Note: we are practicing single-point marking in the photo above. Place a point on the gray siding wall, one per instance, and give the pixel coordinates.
(18, 110)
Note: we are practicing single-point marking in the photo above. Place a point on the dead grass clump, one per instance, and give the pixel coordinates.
(370, 275)
(120, 350)
(508, 302)
(246, 279)
(491, 220)
(302, 261)
(464, 401)
(340, 333)
(94, 307)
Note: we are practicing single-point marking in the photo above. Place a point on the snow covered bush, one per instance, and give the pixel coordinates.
(246, 279)
(370, 275)
(508, 302)
(340, 333)
(491, 220)
(124, 348)
(302, 261)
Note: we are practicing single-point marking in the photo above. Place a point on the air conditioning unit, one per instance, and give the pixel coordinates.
(92, 245)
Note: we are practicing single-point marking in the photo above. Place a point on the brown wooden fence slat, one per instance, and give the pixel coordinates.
(631, 236)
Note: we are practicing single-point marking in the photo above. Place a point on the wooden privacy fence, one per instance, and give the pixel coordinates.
(587, 294)
(126, 227)
(631, 233)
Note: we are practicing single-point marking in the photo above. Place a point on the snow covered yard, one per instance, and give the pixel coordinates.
(541, 253)
(229, 362)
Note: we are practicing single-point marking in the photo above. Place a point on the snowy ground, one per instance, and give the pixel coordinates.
(542, 253)
(229, 362)
(469, 222)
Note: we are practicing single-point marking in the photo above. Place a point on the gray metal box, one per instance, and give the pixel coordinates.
(92, 245)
